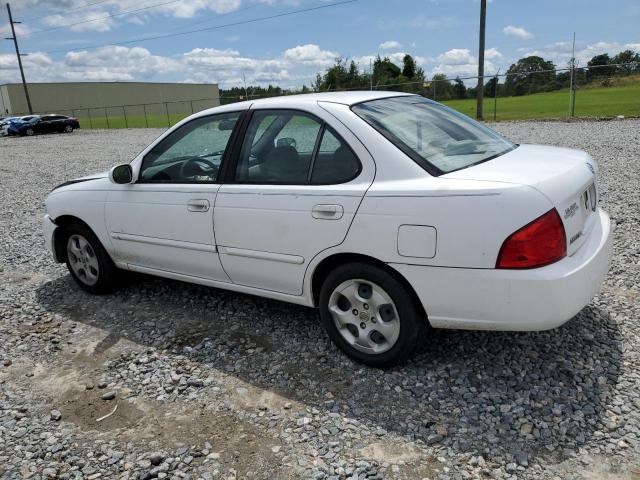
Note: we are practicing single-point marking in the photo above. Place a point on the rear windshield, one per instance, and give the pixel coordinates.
(438, 138)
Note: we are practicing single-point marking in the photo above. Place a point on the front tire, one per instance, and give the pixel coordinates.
(88, 262)
(370, 315)
(29, 132)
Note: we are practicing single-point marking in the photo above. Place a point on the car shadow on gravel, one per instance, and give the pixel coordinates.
(506, 396)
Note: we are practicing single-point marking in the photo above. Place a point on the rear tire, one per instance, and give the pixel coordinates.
(369, 314)
(88, 262)
(68, 129)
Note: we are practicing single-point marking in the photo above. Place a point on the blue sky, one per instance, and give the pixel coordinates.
(289, 50)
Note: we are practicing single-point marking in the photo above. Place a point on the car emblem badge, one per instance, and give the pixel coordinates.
(571, 210)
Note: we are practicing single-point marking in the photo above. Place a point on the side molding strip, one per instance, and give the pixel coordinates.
(164, 242)
(259, 255)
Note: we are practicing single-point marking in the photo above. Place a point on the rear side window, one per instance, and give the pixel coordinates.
(289, 147)
(335, 161)
(436, 137)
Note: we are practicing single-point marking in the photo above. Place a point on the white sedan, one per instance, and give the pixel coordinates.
(387, 211)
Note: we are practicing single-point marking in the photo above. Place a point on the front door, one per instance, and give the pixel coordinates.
(164, 221)
(293, 192)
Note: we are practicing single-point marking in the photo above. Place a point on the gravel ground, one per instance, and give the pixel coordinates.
(212, 384)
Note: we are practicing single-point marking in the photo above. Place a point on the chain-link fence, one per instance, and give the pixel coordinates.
(593, 91)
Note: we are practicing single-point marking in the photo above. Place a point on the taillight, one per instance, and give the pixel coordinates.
(539, 243)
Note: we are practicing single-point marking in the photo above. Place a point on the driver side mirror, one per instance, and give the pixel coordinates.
(121, 174)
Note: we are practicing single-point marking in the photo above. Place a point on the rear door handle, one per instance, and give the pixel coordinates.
(327, 212)
(198, 205)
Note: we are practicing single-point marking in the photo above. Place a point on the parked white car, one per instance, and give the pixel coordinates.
(4, 125)
(389, 212)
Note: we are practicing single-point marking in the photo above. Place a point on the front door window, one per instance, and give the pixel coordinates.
(192, 153)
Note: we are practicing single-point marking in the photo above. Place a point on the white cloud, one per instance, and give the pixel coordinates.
(492, 54)
(390, 44)
(96, 21)
(397, 58)
(517, 32)
(560, 52)
(105, 16)
(460, 62)
(310, 54)
(189, 8)
(116, 63)
(456, 56)
(21, 31)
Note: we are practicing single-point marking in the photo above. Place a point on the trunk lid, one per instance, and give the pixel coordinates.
(565, 176)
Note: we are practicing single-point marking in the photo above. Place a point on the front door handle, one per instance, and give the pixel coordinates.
(327, 212)
(198, 205)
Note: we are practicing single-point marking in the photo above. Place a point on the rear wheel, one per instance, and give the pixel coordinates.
(87, 260)
(370, 315)
(29, 132)
(68, 128)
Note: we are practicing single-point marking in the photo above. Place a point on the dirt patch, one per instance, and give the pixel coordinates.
(409, 460)
(83, 408)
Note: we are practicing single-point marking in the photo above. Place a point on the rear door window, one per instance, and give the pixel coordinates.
(294, 148)
(335, 162)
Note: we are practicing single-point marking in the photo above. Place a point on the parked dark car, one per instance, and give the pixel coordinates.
(44, 124)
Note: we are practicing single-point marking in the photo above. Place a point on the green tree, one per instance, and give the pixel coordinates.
(409, 67)
(459, 90)
(441, 88)
(599, 66)
(627, 56)
(490, 87)
(385, 72)
(341, 75)
(530, 75)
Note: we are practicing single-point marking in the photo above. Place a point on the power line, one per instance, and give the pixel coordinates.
(105, 17)
(205, 29)
(74, 9)
(148, 7)
(207, 20)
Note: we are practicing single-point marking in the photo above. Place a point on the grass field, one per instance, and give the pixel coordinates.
(133, 121)
(622, 98)
(590, 102)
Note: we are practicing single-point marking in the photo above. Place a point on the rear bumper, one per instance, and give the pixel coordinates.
(537, 299)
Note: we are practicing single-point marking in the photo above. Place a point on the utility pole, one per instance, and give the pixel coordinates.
(246, 92)
(15, 43)
(495, 95)
(572, 93)
(480, 89)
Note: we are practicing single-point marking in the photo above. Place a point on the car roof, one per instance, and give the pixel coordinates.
(291, 101)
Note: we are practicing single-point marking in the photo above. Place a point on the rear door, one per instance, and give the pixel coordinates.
(292, 192)
(56, 123)
(45, 124)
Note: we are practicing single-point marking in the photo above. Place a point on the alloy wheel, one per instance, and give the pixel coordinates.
(365, 316)
(83, 260)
